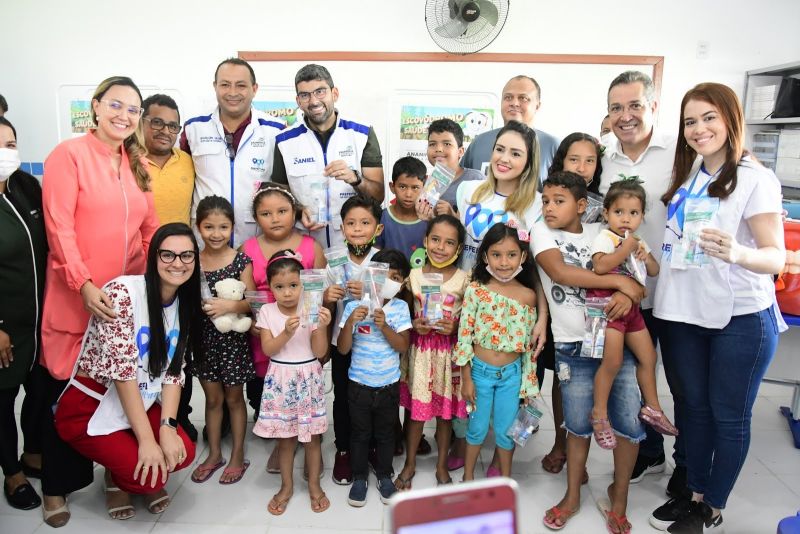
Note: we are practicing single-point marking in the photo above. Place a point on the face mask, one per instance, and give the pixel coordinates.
(9, 162)
(444, 264)
(390, 289)
(360, 250)
(500, 278)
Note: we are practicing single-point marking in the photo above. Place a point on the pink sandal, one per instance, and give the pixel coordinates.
(658, 421)
(605, 436)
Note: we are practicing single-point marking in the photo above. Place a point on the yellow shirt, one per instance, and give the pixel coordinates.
(172, 186)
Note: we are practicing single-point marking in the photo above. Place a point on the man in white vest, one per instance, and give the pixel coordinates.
(325, 144)
(232, 147)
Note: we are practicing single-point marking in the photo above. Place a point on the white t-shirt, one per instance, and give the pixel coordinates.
(566, 302)
(478, 218)
(654, 169)
(686, 295)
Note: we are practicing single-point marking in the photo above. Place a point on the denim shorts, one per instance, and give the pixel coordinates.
(577, 388)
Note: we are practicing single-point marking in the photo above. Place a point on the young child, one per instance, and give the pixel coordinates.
(580, 153)
(623, 208)
(275, 210)
(226, 364)
(496, 348)
(446, 146)
(377, 338)
(293, 401)
(428, 386)
(361, 226)
(402, 229)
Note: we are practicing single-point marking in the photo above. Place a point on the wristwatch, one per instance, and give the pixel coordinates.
(170, 422)
(358, 181)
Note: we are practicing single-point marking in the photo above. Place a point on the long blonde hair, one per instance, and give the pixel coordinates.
(134, 143)
(522, 198)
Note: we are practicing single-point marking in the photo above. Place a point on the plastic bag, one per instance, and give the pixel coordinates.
(338, 258)
(373, 277)
(698, 215)
(637, 267)
(440, 179)
(256, 299)
(314, 197)
(594, 338)
(432, 298)
(205, 289)
(594, 209)
(313, 281)
(525, 423)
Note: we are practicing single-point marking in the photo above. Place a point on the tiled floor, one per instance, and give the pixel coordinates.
(768, 490)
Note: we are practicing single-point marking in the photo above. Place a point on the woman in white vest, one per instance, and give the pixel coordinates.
(120, 406)
(723, 241)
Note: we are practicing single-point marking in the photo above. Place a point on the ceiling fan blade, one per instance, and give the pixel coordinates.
(488, 11)
(453, 29)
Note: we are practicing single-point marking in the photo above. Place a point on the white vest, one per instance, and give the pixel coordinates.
(237, 179)
(303, 155)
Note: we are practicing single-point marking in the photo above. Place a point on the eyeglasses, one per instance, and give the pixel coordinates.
(116, 105)
(168, 256)
(633, 107)
(318, 93)
(158, 125)
(230, 150)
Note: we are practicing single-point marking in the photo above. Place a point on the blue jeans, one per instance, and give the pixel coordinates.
(653, 446)
(720, 371)
(577, 393)
(496, 397)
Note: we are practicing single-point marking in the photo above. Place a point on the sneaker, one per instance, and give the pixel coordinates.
(671, 511)
(342, 472)
(645, 466)
(372, 459)
(678, 482)
(386, 488)
(358, 493)
(699, 520)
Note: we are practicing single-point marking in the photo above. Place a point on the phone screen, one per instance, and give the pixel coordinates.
(500, 522)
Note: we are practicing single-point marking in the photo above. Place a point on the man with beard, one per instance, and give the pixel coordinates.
(324, 143)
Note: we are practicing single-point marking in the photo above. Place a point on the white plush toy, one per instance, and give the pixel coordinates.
(231, 289)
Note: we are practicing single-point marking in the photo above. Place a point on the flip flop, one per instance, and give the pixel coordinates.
(114, 509)
(553, 462)
(237, 472)
(153, 505)
(320, 504)
(559, 515)
(276, 507)
(615, 524)
(443, 482)
(405, 483)
(204, 471)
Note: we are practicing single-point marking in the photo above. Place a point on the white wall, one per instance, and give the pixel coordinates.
(177, 44)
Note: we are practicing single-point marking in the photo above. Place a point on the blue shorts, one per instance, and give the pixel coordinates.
(577, 392)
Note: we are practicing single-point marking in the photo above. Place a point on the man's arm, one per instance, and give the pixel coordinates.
(372, 183)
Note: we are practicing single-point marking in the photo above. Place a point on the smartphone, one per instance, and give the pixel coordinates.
(483, 507)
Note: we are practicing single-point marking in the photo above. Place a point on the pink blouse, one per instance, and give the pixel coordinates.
(99, 224)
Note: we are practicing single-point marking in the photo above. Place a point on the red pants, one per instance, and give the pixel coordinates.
(118, 451)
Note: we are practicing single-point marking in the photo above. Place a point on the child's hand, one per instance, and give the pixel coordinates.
(446, 327)
(292, 324)
(215, 307)
(420, 324)
(424, 210)
(443, 207)
(380, 317)
(641, 252)
(359, 314)
(630, 243)
(467, 388)
(333, 294)
(324, 316)
(355, 288)
(254, 330)
(306, 219)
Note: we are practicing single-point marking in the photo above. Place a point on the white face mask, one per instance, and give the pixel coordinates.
(500, 278)
(9, 162)
(390, 289)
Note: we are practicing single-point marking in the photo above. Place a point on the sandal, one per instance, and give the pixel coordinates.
(605, 435)
(277, 507)
(443, 482)
(558, 517)
(320, 504)
(57, 518)
(658, 421)
(554, 462)
(114, 509)
(204, 471)
(237, 472)
(454, 462)
(152, 506)
(615, 524)
(404, 483)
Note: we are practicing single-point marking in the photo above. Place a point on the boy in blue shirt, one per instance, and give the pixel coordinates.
(376, 342)
(403, 230)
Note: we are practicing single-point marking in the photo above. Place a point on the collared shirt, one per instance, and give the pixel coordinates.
(172, 187)
(654, 169)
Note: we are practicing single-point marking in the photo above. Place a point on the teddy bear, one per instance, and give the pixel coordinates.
(231, 289)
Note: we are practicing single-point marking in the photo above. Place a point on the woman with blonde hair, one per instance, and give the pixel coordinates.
(99, 218)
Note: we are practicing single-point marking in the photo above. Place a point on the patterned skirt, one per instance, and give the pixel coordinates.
(430, 384)
(292, 402)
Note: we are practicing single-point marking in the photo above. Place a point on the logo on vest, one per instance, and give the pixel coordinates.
(258, 143)
(210, 139)
(347, 152)
(259, 162)
(300, 161)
